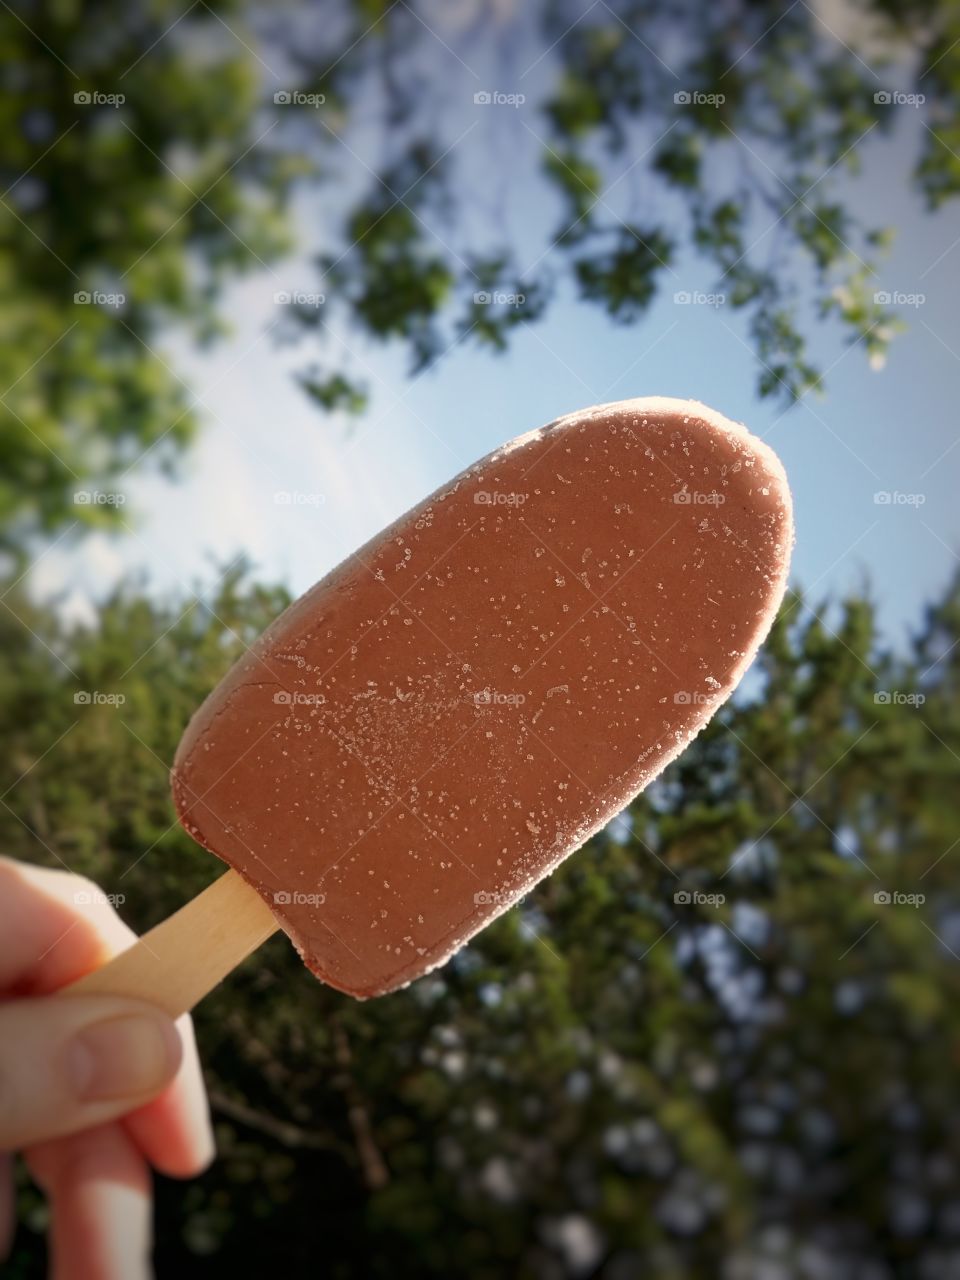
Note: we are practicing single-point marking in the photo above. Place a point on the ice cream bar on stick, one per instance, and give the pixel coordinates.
(439, 722)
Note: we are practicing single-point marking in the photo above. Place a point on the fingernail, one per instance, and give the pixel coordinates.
(122, 1058)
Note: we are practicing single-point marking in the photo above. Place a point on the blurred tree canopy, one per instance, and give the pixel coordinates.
(721, 1040)
(149, 151)
(117, 218)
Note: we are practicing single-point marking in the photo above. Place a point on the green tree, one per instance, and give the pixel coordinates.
(660, 130)
(135, 179)
(723, 1041)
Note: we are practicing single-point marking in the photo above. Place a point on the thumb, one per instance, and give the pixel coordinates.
(69, 1063)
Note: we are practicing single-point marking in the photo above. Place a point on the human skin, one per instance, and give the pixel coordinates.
(95, 1091)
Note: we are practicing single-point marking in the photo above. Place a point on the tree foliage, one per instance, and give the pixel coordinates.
(624, 1075)
(659, 131)
(134, 182)
(661, 128)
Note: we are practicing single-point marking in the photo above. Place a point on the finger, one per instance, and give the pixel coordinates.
(174, 1130)
(7, 1206)
(55, 927)
(98, 1186)
(68, 1063)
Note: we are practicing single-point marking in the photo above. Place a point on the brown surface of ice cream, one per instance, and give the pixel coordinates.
(437, 723)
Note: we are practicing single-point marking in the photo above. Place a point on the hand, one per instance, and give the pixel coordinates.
(93, 1089)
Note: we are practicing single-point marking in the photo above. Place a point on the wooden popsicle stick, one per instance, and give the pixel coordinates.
(176, 963)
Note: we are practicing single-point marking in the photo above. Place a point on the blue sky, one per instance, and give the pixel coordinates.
(891, 430)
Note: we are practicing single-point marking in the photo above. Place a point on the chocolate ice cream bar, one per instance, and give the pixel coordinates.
(439, 722)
